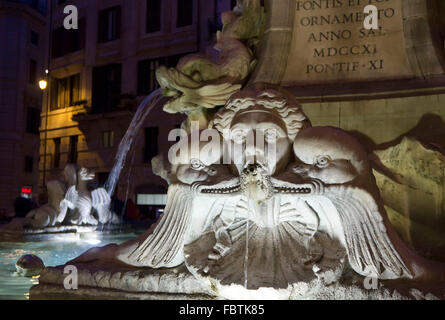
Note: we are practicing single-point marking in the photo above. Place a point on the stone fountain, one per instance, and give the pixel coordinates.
(261, 204)
(306, 221)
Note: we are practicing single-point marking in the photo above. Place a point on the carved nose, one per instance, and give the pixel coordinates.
(250, 169)
(254, 154)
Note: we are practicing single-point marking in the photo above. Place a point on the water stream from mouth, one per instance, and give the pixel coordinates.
(246, 256)
(141, 114)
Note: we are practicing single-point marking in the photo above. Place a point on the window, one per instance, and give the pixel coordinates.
(184, 13)
(34, 38)
(32, 72)
(56, 153)
(151, 143)
(72, 157)
(74, 89)
(32, 120)
(29, 164)
(68, 41)
(147, 82)
(65, 92)
(153, 16)
(106, 88)
(108, 139)
(109, 24)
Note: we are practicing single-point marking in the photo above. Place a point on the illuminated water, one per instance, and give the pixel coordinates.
(52, 253)
(141, 114)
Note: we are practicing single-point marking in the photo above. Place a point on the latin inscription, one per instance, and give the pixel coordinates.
(331, 43)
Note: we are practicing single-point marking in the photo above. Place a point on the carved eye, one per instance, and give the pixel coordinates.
(239, 136)
(211, 171)
(196, 164)
(322, 161)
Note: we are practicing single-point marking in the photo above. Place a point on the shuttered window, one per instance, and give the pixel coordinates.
(184, 13)
(153, 22)
(65, 92)
(110, 24)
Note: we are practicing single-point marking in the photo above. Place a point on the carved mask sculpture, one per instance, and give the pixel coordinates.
(259, 129)
(275, 223)
(317, 214)
(322, 213)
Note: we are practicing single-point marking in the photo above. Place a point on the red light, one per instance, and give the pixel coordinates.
(26, 190)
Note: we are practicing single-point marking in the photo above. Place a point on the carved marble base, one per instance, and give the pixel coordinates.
(113, 280)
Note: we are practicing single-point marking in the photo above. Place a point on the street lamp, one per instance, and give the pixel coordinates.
(43, 84)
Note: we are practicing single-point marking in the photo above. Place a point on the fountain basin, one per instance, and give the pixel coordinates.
(53, 253)
(112, 280)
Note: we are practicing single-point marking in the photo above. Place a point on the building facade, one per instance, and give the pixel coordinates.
(100, 73)
(23, 34)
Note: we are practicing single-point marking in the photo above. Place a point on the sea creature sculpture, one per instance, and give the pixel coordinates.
(198, 83)
(82, 201)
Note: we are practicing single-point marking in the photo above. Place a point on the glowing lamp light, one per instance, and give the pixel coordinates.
(43, 84)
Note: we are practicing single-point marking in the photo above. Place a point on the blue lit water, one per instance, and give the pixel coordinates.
(53, 253)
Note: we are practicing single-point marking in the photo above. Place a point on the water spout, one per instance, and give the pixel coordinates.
(124, 147)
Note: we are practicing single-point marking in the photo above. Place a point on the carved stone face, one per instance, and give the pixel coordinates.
(198, 165)
(196, 171)
(259, 137)
(86, 175)
(329, 154)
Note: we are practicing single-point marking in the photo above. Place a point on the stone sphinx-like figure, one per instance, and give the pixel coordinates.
(82, 201)
(51, 213)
